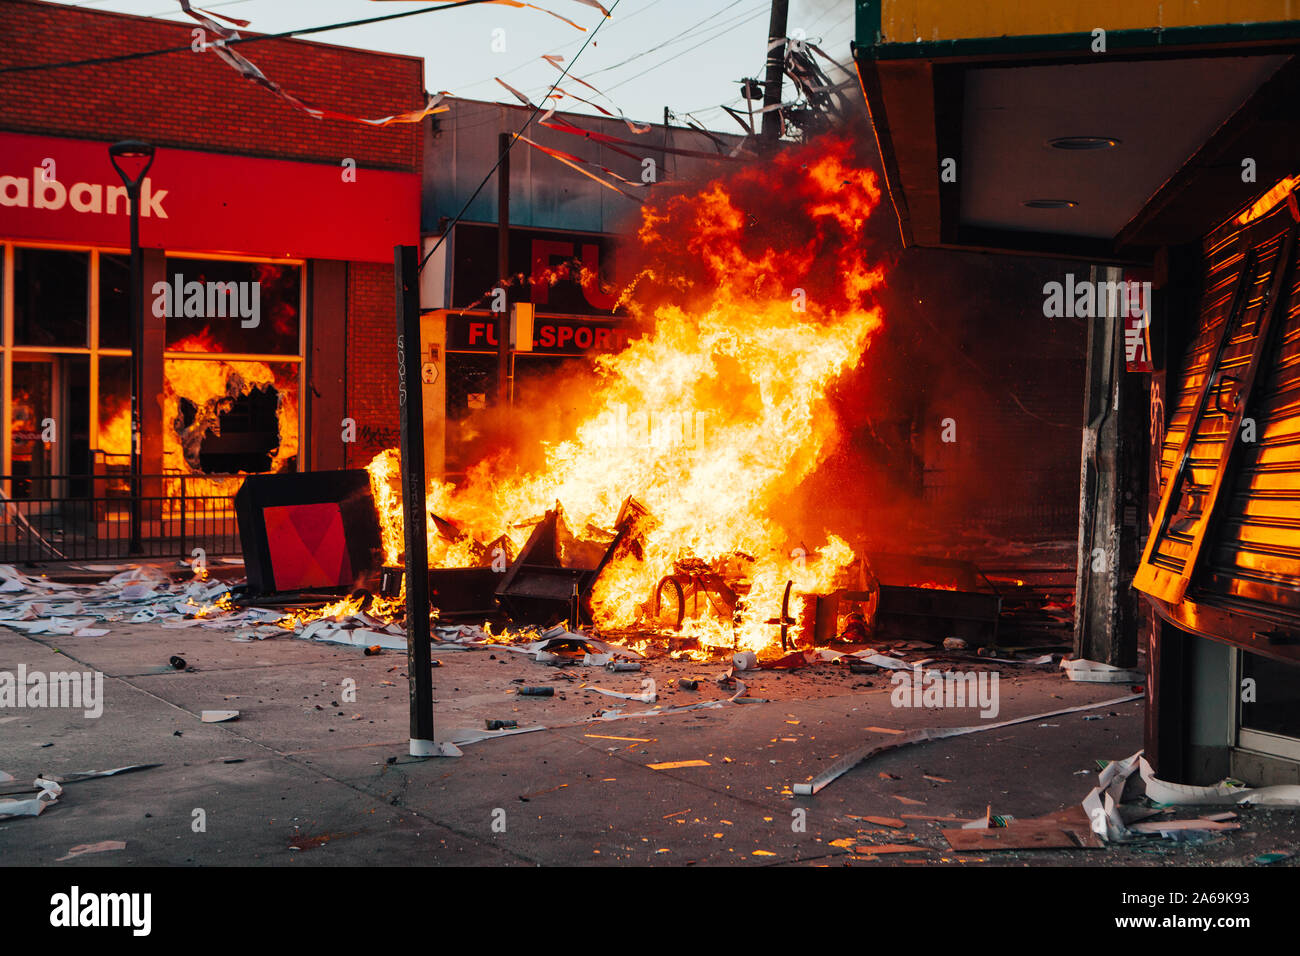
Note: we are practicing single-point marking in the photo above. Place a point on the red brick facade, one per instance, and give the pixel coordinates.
(372, 361)
(194, 100)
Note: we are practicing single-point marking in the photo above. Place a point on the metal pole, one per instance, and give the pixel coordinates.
(503, 269)
(410, 404)
(775, 68)
(136, 545)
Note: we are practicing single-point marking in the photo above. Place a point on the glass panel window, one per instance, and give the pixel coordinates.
(230, 417)
(114, 301)
(31, 455)
(1273, 704)
(239, 307)
(51, 290)
(114, 444)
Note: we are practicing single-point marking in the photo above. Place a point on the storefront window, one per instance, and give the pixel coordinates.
(229, 417)
(114, 444)
(30, 454)
(50, 298)
(247, 308)
(1273, 704)
(114, 301)
(471, 391)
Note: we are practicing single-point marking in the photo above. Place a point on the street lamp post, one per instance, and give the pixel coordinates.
(136, 155)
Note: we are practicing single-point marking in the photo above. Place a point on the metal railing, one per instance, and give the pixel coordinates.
(46, 518)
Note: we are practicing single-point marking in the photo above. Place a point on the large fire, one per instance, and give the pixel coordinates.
(754, 300)
(210, 387)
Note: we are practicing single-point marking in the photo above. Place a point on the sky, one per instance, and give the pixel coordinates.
(683, 54)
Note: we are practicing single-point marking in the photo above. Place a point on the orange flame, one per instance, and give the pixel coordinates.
(713, 417)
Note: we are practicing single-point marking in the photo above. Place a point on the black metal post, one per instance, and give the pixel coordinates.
(410, 404)
(775, 69)
(135, 150)
(136, 307)
(503, 269)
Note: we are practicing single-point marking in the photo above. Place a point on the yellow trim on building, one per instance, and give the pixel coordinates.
(906, 21)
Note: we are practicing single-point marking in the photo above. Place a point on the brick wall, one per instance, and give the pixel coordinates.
(372, 361)
(195, 100)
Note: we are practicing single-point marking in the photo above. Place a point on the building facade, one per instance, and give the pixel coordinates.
(245, 193)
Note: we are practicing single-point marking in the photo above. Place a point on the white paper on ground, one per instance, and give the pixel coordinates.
(646, 696)
(1283, 795)
(1167, 827)
(90, 774)
(469, 735)
(880, 660)
(100, 847)
(1185, 795)
(32, 806)
(852, 759)
(1115, 778)
(1096, 672)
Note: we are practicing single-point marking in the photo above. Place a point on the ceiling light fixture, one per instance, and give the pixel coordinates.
(1083, 142)
(1049, 203)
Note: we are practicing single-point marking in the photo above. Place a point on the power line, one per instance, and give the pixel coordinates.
(532, 61)
(708, 39)
(670, 40)
(515, 138)
(144, 54)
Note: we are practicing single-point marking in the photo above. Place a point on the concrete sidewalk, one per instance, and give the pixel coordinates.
(306, 777)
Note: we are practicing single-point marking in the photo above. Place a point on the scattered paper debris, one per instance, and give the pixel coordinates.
(851, 760)
(35, 805)
(1098, 673)
(103, 846)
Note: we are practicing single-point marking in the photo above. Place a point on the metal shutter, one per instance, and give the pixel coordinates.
(1228, 525)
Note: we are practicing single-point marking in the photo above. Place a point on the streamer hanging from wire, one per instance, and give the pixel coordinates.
(249, 71)
(555, 60)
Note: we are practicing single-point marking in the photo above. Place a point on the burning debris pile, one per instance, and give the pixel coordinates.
(755, 298)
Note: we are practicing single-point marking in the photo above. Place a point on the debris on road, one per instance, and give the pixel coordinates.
(102, 846)
(856, 757)
(48, 792)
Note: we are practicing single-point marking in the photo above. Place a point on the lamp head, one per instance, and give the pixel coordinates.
(128, 155)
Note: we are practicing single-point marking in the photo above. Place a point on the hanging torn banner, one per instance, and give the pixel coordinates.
(562, 125)
(555, 60)
(249, 71)
(519, 4)
(526, 101)
(593, 3)
(740, 118)
(574, 162)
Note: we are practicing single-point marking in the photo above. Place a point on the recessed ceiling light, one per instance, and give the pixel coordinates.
(1083, 142)
(1049, 203)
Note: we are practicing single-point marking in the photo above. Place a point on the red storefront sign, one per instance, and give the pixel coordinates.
(66, 190)
(552, 335)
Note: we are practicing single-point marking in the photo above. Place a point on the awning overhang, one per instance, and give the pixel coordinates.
(1182, 107)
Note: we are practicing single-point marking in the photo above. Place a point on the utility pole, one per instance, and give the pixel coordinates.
(503, 270)
(775, 69)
